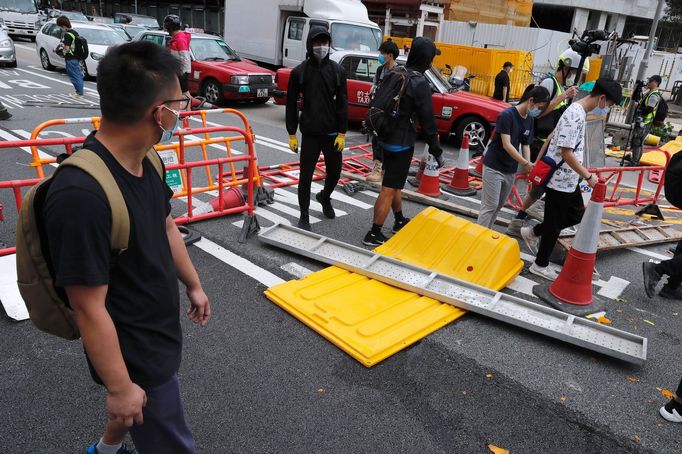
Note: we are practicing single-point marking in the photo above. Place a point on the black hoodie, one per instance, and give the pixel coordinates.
(325, 100)
(416, 103)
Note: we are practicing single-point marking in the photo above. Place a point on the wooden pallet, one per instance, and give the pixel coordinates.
(630, 237)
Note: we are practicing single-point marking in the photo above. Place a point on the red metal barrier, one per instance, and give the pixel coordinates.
(227, 178)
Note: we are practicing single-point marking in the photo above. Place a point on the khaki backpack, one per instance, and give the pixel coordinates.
(50, 312)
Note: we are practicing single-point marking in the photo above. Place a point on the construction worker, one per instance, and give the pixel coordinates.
(388, 53)
(564, 206)
(398, 143)
(502, 82)
(561, 88)
(644, 117)
(323, 122)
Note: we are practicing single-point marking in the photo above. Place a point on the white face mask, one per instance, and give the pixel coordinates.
(320, 52)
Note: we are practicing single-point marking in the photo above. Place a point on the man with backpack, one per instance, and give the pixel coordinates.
(125, 300)
(651, 109)
(71, 47)
(324, 120)
(403, 98)
(388, 53)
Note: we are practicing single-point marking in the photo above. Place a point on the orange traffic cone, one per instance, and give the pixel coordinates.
(478, 171)
(231, 198)
(572, 290)
(415, 181)
(460, 179)
(430, 182)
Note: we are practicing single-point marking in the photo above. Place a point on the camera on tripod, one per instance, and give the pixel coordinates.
(585, 45)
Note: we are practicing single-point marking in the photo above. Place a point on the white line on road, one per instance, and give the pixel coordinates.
(651, 254)
(63, 82)
(239, 263)
(7, 136)
(9, 292)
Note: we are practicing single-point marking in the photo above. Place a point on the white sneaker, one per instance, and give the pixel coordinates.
(546, 272)
(530, 238)
(76, 95)
(670, 412)
(514, 228)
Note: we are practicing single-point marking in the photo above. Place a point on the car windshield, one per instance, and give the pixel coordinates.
(73, 15)
(19, 6)
(438, 80)
(212, 50)
(101, 37)
(356, 37)
(146, 21)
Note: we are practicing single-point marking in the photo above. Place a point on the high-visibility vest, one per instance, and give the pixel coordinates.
(559, 92)
(648, 118)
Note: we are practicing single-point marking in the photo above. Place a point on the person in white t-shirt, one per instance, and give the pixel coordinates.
(563, 200)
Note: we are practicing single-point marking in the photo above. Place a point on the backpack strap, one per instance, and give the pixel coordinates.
(89, 162)
(155, 159)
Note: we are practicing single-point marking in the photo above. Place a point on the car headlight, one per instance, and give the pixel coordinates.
(240, 80)
(95, 56)
(5, 43)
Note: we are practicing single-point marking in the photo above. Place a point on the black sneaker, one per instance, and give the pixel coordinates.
(671, 293)
(327, 208)
(400, 224)
(672, 411)
(651, 278)
(5, 115)
(304, 222)
(374, 239)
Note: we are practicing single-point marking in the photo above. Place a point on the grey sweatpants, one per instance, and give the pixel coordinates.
(496, 189)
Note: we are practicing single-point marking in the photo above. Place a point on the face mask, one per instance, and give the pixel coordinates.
(381, 59)
(534, 112)
(320, 52)
(601, 111)
(167, 134)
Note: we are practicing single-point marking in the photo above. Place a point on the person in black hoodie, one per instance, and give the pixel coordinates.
(323, 121)
(398, 144)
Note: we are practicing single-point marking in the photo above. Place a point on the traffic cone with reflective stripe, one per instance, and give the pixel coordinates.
(460, 179)
(572, 291)
(478, 171)
(415, 181)
(232, 198)
(430, 182)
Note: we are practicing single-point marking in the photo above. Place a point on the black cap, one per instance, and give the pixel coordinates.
(507, 64)
(655, 78)
(609, 87)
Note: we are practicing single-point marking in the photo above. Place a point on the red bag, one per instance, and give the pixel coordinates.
(543, 170)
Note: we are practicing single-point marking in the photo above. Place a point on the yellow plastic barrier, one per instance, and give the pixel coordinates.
(485, 64)
(371, 320)
(507, 12)
(657, 158)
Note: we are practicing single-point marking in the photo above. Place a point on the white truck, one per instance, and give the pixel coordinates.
(22, 17)
(275, 32)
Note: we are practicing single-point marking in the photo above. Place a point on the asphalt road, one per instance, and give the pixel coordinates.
(257, 380)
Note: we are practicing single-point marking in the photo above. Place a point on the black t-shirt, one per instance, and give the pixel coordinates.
(520, 132)
(501, 81)
(143, 296)
(69, 40)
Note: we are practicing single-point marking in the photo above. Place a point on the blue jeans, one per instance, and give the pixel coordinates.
(73, 69)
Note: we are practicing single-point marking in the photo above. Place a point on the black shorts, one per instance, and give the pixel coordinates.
(396, 168)
(183, 82)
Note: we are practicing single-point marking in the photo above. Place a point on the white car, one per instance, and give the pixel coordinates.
(100, 37)
(8, 55)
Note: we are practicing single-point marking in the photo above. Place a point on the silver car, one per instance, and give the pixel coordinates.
(8, 55)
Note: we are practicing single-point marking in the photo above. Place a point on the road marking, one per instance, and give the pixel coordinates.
(292, 199)
(651, 254)
(522, 285)
(21, 46)
(293, 212)
(612, 288)
(239, 263)
(9, 292)
(336, 195)
(9, 137)
(216, 146)
(55, 80)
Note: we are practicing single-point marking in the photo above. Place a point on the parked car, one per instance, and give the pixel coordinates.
(101, 19)
(137, 19)
(100, 37)
(457, 112)
(71, 15)
(8, 55)
(130, 31)
(218, 73)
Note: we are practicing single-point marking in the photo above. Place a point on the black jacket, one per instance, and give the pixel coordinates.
(325, 98)
(416, 104)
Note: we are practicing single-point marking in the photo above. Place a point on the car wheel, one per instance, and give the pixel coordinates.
(212, 91)
(477, 129)
(45, 60)
(84, 70)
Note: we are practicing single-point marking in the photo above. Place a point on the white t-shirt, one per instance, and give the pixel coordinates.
(569, 133)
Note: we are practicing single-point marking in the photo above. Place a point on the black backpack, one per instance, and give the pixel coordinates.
(662, 111)
(673, 181)
(80, 46)
(384, 108)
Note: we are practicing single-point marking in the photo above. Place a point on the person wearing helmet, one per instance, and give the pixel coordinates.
(561, 88)
(323, 120)
(644, 117)
(179, 47)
